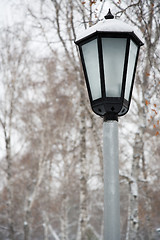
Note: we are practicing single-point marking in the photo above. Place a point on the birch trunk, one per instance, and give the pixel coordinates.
(30, 202)
(64, 219)
(45, 227)
(147, 203)
(9, 190)
(133, 220)
(26, 230)
(7, 135)
(26, 224)
(82, 225)
(33, 195)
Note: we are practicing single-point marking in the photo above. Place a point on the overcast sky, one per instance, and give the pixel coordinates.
(13, 10)
(10, 11)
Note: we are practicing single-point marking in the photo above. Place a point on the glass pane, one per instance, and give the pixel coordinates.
(90, 54)
(131, 63)
(113, 57)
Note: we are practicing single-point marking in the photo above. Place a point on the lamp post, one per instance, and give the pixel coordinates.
(109, 52)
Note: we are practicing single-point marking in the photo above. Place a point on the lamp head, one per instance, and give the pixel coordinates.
(109, 53)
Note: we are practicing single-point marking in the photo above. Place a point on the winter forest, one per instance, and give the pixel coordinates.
(51, 174)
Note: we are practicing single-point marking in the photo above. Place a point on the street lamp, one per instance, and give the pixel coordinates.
(109, 53)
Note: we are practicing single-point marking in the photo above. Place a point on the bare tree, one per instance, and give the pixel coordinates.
(12, 58)
(144, 15)
(63, 21)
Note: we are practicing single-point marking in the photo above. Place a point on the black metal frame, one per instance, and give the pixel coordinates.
(111, 106)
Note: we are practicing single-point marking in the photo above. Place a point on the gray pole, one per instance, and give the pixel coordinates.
(111, 181)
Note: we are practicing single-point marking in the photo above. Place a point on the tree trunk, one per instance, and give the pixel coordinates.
(9, 188)
(64, 218)
(26, 224)
(45, 225)
(83, 178)
(26, 230)
(133, 220)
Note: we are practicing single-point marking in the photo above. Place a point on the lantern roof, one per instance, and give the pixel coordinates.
(110, 25)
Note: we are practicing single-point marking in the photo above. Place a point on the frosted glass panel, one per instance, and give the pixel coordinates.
(90, 54)
(113, 58)
(131, 63)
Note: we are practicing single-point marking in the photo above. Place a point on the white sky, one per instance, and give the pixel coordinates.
(10, 13)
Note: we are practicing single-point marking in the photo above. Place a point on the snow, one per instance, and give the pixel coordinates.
(109, 25)
(134, 189)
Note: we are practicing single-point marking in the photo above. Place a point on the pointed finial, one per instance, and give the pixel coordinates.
(109, 15)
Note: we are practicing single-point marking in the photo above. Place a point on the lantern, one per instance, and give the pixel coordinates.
(109, 53)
